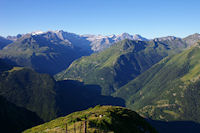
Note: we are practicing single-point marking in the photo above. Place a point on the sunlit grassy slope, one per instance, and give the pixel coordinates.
(169, 90)
(118, 64)
(111, 119)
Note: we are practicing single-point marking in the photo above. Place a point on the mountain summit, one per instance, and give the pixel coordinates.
(44, 52)
(99, 42)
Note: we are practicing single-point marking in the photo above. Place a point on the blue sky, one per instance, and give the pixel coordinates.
(149, 18)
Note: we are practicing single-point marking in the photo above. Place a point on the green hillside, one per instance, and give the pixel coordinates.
(41, 94)
(118, 64)
(31, 90)
(44, 53)
(110, 119)
(169, 90)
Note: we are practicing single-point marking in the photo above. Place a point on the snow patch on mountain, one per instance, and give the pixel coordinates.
(37, 32)
(100, 42)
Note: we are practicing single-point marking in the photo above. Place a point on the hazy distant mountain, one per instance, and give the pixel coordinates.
(170, 38)
(192, 39)
(176, 41)
(45, 52)
(74, 39)
(53, 51)
(4, 42)
(94, 42)
(173, 42)
(14, 38)
(99, 42)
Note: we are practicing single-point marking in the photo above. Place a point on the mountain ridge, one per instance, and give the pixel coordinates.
(118, 64)
(97, 43)
(168, 90)
(41, 94)
(45, 53)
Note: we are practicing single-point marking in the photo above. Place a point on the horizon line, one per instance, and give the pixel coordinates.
(97, 34)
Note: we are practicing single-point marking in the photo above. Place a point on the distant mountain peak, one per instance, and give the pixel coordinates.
(14, 38)
(170, 38)
(139, 37)
(101, 42)
(37, 32)
(112, 36)
(192, 39)
(125, 34)
(57, 31)
(195, 35)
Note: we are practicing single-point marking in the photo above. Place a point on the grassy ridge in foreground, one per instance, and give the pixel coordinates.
(111, 119)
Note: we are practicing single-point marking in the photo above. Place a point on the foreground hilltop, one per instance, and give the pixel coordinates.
(110, 119)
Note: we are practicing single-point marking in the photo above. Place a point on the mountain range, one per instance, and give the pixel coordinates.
(53, 51)
(99, 42)
(94, 42)
(169, 90)
(123, 61)
(4, 42)
(45, 75)
(157, 78)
